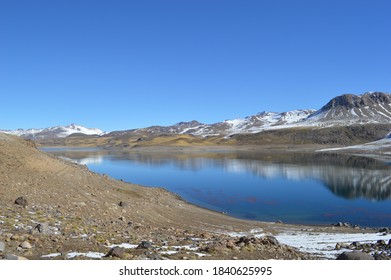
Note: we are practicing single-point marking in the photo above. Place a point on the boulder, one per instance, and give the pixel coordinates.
(155, 257)
(355, 255)
(21, 201)
(123, 204)
(383, 230)
(116, 252)
(340, 245)
(43, 229)
(13, 257)
(272, 240)
(381, 243)
(2, 247)
(25, 245)
(144, 245)
(356, 244)
(230, 244)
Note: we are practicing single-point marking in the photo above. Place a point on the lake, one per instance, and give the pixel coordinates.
(300, 188)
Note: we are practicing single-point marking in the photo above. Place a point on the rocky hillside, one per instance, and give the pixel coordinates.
(332, 135)
(373, 107)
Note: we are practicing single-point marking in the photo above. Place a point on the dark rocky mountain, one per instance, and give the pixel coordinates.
(371, 107)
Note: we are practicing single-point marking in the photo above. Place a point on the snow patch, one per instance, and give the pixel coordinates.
(91, 255)
(49, 256)
(258, 232)
(124, 245)
(371, 146)
(323, 244)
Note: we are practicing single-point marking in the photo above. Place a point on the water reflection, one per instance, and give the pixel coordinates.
(346, 176)
(293, 187)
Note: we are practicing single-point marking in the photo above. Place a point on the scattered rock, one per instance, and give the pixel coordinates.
(381, 242)
(279, 222)
(2, 246)
(144, 245)
(340, 246)
(272, 240)
(356, 244)
(13, 257)
(155, 257)
(243, 241)
(15, 237)
(116, 252)
(43, 229)
(21, 201)
(123, 204)
(340, 224)
(7, 236)
(355, 255)
(206, 235)
(381, 256)
(230, 244)
(25, 245)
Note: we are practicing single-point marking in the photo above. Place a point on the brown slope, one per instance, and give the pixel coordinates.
(343, 135)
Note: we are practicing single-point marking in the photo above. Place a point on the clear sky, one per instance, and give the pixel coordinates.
(121, 64)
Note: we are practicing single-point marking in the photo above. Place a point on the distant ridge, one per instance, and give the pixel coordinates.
(54, 132)
(343, 110)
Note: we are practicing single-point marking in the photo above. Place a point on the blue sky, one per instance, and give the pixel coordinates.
(120, 64)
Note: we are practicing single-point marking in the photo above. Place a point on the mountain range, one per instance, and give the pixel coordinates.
(54, 132)
(344, 110)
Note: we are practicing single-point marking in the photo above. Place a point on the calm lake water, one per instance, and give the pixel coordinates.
(303, 188)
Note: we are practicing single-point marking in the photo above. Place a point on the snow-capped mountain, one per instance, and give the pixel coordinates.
(348, 109)
(371, 107)
(256, 123)
(54, 132)
(344, 110)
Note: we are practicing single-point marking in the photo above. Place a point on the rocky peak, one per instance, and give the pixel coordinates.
(351, 101)
(188, 124)
(376, 97)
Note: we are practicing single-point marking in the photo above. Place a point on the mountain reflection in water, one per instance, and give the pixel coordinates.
(287, 180)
